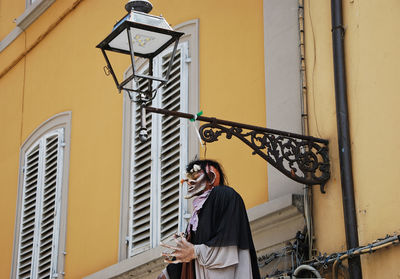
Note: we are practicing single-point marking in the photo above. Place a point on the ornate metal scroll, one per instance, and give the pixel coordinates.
(303, 160)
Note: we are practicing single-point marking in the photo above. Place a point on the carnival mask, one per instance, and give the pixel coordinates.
(197, 181)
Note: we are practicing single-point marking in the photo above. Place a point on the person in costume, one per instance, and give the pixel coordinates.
(217, 242)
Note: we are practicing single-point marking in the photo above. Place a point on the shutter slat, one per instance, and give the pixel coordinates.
(169, 222)
(142, 175)
(52, 165)
(139, 148)
(170, 180)
(169, 229)
(144, 204)
(170, 123)
(143, 158)
(142, 237)
(167, 197)
(165, 61)
(169, 132)
(170, 158)
(170, 170)
(168, 210)
(141, 191)
(142, 183)
(34, 153)
(170, 164)
(140, 168)
(167, 188)
(32, 169)
(140, 230)
(141, 222)
(171, 88)
(173, 107)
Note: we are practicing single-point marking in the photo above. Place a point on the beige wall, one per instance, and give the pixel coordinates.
(372, 58)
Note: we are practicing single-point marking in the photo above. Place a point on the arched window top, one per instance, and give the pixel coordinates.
(42, 197)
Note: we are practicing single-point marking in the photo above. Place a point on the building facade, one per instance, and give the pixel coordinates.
(82, 197)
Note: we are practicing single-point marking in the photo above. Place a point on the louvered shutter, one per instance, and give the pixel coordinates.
(140, 194)
(155, 195)
(170, 151)
(37, 256)
(29, 201)
(49, 221)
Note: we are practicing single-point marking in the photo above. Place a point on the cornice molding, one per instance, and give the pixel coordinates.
(10, 38)
(25, 20)
(32, 13)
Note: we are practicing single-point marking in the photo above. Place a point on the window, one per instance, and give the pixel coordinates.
(41, 202)
(153, 207)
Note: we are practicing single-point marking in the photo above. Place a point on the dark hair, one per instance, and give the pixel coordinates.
(203, 164)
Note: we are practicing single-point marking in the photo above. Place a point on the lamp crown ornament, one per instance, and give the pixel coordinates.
(143, 6)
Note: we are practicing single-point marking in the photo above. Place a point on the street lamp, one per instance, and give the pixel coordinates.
(139, 34)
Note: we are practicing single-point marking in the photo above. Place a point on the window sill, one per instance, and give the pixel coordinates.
(276, 222)
(135, 267)
(32, 13)
(272, 223)
(26, 19)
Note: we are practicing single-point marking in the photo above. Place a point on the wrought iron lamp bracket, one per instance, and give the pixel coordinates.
(304, 159)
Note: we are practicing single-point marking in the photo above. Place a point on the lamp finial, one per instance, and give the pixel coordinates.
(143, 6)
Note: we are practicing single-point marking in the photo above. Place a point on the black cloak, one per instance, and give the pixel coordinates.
(223, 222)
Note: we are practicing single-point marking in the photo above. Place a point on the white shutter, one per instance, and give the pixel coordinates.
(156, 205)
(50, 202)
(37, 257)
(170, 152)
(29, 201)
(140, 194)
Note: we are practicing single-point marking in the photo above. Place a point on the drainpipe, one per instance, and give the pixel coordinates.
(342, 115)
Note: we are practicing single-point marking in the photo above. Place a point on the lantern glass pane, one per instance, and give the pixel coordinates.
(144, 41)
(151, 20)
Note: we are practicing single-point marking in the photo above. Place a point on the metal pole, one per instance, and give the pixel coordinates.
(231, 123)
(342, 115)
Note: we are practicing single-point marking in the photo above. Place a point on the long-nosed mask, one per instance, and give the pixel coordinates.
(198, 182)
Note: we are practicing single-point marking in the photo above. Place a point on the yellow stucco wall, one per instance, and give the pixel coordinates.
(9, 11)
(54, 67)
(373, 67)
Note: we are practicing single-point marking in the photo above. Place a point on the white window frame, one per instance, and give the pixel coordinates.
(60, 124)
(283, 89)
(190, 39)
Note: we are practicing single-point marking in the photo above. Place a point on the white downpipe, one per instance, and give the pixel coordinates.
(306, 267)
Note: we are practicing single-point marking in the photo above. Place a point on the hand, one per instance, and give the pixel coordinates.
(161, 276)
(183, 251)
